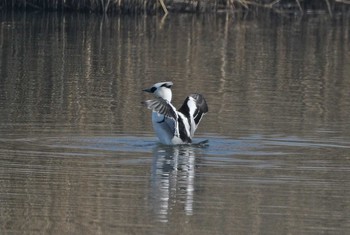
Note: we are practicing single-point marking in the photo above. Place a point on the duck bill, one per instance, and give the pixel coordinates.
(147, 90)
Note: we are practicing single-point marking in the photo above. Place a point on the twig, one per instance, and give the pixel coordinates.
(274, 2)
(164, 7)
(300, 8)
(329, 8)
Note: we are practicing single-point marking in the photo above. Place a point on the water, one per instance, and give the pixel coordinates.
(78, 154)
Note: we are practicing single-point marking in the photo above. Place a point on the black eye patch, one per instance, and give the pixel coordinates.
(153, 89)
(166, 85)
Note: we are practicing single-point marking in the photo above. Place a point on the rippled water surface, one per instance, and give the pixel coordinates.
(77, 150)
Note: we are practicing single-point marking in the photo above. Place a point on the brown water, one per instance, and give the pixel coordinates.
(77, 150)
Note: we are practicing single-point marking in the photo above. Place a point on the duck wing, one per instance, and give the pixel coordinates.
(161, 106)
(165, 115)
(194, 107)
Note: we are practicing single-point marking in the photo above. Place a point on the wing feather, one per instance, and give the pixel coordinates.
(161, 106)
(194, 107)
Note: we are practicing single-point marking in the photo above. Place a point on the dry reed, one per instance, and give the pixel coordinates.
(153, 6)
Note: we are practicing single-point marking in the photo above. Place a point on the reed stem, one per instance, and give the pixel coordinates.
(151, 6)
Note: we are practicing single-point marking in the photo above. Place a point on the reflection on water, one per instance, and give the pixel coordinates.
(78, 154)
(78, 72)
(173, 171)
(104, 183)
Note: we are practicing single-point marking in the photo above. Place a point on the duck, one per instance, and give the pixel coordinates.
(172, 126)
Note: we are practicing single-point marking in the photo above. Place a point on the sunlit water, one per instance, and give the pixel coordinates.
(78, 154)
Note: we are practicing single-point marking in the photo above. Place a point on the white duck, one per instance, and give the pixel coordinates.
(174, 126)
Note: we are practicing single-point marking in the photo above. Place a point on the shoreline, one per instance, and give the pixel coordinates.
(293, 7)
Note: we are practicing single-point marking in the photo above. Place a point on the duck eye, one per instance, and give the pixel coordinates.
(153, 89)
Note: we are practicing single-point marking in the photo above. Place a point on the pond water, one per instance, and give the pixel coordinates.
(78, 154)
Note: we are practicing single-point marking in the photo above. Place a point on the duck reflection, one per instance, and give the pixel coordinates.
(173, 170)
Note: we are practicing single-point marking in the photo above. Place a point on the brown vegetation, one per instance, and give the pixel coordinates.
(153, 6)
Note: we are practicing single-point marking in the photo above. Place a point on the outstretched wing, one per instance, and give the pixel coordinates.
(194, 107)
(166, 117)
(201, 107)
(161, 106)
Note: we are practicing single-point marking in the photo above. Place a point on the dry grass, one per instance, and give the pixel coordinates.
(153, 6)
